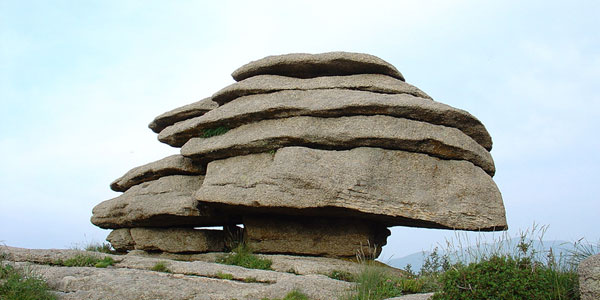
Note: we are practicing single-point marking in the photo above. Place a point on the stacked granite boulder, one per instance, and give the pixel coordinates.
(314, 155)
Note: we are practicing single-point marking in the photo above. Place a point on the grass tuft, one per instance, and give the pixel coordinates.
(22, 285)
(342, 275)
(293, 295)
(85, 260)
(160, 267)
(102, 248)
(242, 256)
(210, 132)
(225, 276)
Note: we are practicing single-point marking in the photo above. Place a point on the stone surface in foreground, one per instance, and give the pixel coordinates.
(389, 186)
(131, 279)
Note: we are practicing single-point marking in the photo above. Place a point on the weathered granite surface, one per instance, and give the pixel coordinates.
(172, 240)
(179, 114)
(331, 237)
(170, 165)
(390, 186)
(325, 103)
(131, 279)
(264, 84)
(304, 65)
(342, 133)
(164, 202)
(589, 278)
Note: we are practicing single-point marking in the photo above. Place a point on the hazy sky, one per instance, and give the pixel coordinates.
(80, 81)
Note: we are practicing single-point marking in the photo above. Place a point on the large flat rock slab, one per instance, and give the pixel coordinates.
(264, 84)
(131, 278)
(179, 114)
(304, 65)
(173, 240)
(317, 236)
(164, 202)
(389, 186)
(342, 133)
(325, 103)
(170, 165)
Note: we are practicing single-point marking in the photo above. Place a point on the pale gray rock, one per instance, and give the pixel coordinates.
(170, 165)
(121, 240)
(264, 84)
(164, 202)
(393, 187)
(325, 103)
(589, 278)
(331, 237)
(342, 133)
(131, 278)
(179, 114)
(301, 265)
(304, 65)
(178, 239)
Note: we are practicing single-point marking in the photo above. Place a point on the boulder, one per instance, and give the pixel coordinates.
(173, 240)
(264, 84)
(121, 240)
(179, 114)
(164, 202)
(331, 237)
(589, 278)
(171, 165)
(395, 188)
(304, 65)
(325, 103)
(342, 133)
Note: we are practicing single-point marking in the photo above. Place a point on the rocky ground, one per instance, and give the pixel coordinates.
(131, 276)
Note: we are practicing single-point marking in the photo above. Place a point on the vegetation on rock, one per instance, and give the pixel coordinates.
(242, 256)
(18, 284)
(160, 267)
(214, 131)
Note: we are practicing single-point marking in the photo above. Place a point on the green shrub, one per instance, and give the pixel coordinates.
(210, 132)
(342, 275)
(242, 256)
(373, 283)
(505, 277)
(160, 267)
(22, 285)
(250, 280)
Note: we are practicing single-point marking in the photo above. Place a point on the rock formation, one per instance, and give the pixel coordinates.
(314, 155)
(589, 278)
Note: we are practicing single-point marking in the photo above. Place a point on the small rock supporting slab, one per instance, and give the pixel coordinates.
(170, 165)
(332, 237)
(179, 114)
(172, 240)
(304, 65)
(393, 187)
(589, 278)
(264, 84)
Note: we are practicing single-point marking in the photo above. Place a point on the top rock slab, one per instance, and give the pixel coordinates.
(304, 65)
